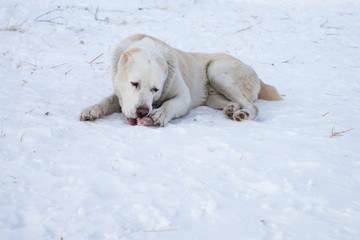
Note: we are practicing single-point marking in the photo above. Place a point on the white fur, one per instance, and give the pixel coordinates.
(183, 80)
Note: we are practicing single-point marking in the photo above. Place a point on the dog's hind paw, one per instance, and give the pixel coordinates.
(240, 115)
(230, 109)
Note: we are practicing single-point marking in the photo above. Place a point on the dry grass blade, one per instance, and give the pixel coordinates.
(338, 134)
(287, 61)
(59, 65)
(30, 111)
(22, 136)
(46, 17)
(326, 21)
(17, 27)
(243, 29)
(96, 58)
(67, 72)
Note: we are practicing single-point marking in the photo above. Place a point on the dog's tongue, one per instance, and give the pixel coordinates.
(132, 121)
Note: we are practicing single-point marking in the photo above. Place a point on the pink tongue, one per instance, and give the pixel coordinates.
(132, 121)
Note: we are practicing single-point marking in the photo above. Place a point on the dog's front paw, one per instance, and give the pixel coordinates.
(159, 117)
(91, 113)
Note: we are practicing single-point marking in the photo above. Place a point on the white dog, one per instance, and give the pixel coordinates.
(155, 83)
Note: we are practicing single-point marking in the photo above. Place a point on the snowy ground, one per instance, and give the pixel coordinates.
(201, 177)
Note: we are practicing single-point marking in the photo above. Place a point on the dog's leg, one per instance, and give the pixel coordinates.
(239, 108)
(232, 110)
(217, 101)
(172, 108)
(105, 107)
(237, 82)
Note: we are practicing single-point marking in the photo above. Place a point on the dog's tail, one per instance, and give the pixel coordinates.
(268, 92)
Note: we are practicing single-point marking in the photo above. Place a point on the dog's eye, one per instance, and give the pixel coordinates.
(154, 89)
(135, 84)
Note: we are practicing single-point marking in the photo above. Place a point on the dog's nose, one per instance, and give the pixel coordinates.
(142, 111)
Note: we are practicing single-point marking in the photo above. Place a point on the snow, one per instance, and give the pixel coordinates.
(202, 176)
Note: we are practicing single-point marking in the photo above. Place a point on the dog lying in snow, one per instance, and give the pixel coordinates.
(154, 83)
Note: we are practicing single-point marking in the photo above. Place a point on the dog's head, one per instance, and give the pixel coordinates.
(139, 81)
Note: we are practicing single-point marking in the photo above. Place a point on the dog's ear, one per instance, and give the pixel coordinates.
(125, 58)
(163, 64)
